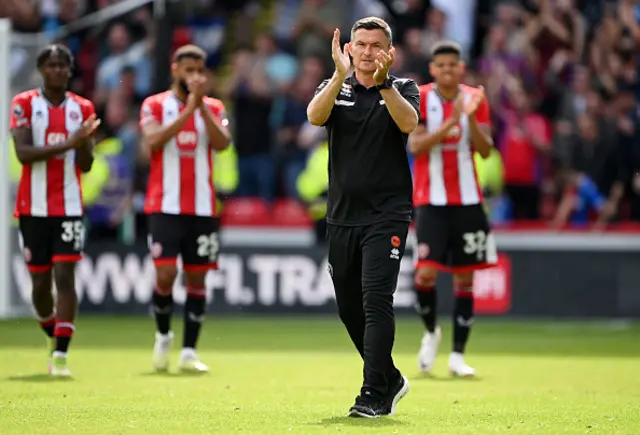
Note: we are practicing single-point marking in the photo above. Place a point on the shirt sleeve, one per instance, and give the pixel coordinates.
(422, 116)
(483, 115)
(411, 93)
(88, 109)
(20, 112)
(150, 112)
(219, 111)
(322, 85)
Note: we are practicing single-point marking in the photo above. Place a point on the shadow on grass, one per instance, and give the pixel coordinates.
(361, 422)
(445, 378)
(37, 378)
(173, 374)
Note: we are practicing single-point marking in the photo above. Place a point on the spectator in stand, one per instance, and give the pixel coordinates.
(292, 116)
(460, 22)
(508, 17)
(24, 15)
(631, 141)
(280, 67)
(415, 59)
(594, 183)
(108, 211)
(556, 25)
(400, 66)
(434, 30)
(497, 51)
(121, 53)
(407, 14)
(252, 95)
(316, 21)
(524, 144)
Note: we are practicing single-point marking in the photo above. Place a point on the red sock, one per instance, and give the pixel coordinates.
(48, 324)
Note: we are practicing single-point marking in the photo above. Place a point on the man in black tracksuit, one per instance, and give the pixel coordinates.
(368, 116)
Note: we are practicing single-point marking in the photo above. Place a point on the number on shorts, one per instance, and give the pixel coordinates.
(208, 246)
(73, 231)
(475, 243)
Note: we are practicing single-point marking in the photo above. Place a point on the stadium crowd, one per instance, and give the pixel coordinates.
(560, 75)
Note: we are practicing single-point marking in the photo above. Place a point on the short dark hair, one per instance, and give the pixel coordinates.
(189, 52)
(372, 23)
(446, 47)
(54, 50)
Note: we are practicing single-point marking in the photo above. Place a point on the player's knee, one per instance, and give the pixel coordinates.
(425, 276)
(165, 276)
(377, 301)
(64, 274)
(350, 315)
(195, 279)
(463, 281)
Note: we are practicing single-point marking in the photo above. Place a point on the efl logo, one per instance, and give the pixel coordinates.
(187, 138)
(187, 141)
(56, 138)
(492, 288)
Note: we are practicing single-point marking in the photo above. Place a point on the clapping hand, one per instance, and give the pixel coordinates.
(458, 107)
(89, 126)
(196, 86)
(340, 56)
(383, 64)
(476, 98)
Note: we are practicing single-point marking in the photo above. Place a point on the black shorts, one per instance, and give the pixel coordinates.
(194, 238)
(454, 238)
(367, 255)
(48, 240)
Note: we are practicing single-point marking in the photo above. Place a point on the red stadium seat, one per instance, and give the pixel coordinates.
(290, 213)
(181, 36)
(246, 212)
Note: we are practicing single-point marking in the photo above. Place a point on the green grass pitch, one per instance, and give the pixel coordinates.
(299, 376)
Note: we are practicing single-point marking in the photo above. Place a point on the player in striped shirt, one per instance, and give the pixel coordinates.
(181, 129)
(452, 229)
(52, 130)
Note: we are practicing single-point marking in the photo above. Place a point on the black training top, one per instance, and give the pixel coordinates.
(369, 174)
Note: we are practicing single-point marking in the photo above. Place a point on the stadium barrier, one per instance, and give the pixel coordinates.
(119, 279)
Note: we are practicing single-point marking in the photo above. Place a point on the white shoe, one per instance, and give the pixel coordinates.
(457, 366)
(161, 351)
(429, 350)
(189, 362)
(59, 368)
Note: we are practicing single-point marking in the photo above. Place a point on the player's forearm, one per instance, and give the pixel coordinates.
(402, 113)
(30, 154)
(84, 156)
(320, 107)
(480, 139)
(219, 136)
(421, 143)
(163, 134)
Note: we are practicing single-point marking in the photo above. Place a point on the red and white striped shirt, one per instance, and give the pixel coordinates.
(51, 187)
(447, 174)
(181, 173)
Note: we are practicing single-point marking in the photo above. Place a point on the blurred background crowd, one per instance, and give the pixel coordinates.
(560, 75)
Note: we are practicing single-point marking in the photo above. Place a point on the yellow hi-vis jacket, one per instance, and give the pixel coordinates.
(313, 182)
